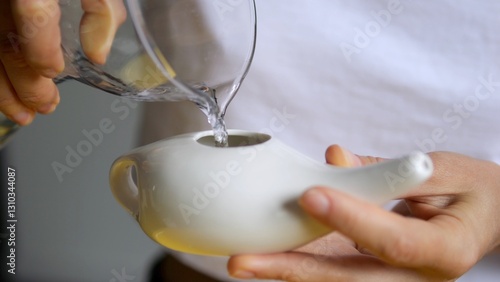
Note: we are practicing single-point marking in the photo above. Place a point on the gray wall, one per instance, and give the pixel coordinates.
(70, 227)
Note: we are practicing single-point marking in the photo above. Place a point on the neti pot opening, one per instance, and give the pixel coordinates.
(236, 139)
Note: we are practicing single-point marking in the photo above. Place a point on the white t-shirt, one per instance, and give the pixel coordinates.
(380, 77)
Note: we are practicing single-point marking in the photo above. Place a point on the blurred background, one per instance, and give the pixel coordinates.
(70, 228)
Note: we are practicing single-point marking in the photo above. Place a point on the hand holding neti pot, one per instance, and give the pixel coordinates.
(193, 197)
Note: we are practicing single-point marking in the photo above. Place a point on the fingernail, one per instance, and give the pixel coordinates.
(315, 202)
(47, 108)
(23, 118)
(243, 274)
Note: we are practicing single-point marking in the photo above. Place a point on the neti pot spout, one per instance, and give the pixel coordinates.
(381, 182)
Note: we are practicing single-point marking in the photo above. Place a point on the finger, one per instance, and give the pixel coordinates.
(10, 104)
(339, 156)
(37, 23)
(33, 90)
(98, 27)
(401, 241)
(304, 267)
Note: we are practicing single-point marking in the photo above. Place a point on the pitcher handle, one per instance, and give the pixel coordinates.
(123, 186)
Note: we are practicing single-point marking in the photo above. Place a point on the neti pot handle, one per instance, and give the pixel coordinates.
(123, 186)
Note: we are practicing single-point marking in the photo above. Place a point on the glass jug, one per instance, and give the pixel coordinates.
(166, 50)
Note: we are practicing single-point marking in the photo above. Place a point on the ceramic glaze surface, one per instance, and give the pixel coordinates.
(193, 197)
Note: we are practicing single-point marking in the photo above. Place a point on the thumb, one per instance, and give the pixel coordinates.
(339, 156)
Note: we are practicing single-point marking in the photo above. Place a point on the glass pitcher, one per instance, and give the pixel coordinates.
(166, 50)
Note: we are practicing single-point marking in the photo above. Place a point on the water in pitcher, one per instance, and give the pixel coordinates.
(132, 76)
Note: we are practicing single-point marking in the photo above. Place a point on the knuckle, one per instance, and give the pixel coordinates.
(44, 58)
(6, 102)
(10, 45)
(401, 251)
(35, 98)
(14, 59)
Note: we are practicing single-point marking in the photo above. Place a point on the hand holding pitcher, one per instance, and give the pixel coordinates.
(31, 54)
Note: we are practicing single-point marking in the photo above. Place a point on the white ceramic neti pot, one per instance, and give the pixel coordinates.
(190, 196)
